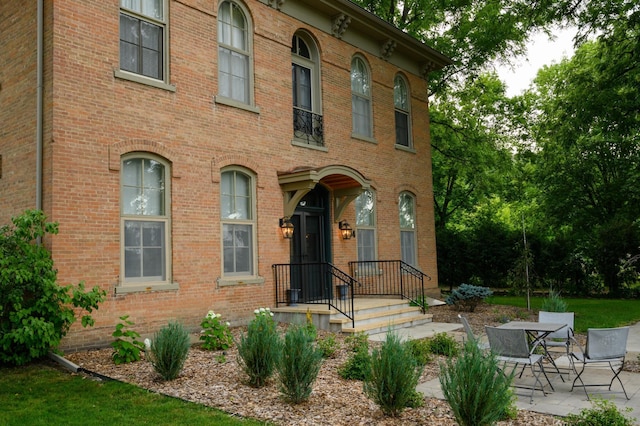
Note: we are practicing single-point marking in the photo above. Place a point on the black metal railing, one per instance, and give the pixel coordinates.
(390, 278)
(308, 126)
(315, 283)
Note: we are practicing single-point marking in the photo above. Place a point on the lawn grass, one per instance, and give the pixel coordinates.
(39, 394)
(589, 313)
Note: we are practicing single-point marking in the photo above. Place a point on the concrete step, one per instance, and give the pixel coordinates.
(384, 323)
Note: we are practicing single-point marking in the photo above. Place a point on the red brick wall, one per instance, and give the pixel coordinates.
(96, 118)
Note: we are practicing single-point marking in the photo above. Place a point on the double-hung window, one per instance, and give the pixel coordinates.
(407, 211)
(366, 226)
(361, 98)
(143, 34)
(234, 54)
(307, 118)
(145, 220)
(402, 110)
(238, 222)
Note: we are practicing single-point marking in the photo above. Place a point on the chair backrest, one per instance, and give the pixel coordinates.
(467, 328)
(558, 318)
(606, 343)
(508, 342)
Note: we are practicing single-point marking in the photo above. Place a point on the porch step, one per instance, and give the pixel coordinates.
(382, 326)
(379, 315)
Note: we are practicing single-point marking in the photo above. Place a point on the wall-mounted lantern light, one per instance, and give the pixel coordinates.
(346, 231)
(286, 227)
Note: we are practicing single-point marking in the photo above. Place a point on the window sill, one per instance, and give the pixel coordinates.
(406, 148)
(145, 288)
(303, 144)
(125, 75)
(236, 104)
(364, 138)
(231, 281)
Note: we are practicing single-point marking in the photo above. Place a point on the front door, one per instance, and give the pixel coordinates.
(310, 245)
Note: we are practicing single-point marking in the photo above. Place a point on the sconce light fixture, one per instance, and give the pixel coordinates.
(345, 230)
(286, 227)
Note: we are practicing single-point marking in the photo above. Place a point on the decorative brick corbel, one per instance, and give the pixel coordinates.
(340, 24)
(426, 68)
(276, 4)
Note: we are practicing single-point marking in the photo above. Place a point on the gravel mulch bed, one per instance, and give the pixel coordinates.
(334, 401)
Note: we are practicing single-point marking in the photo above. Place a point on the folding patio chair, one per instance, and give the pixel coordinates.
(510, 346)
(604, 346)
(558, 339)
(481, 345)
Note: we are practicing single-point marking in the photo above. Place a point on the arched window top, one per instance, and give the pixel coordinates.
(365, 209)
(400, 93)
(236, 194)
(299, 47)
(233, 27)
(406, 209)
(360, 77)
(144, 185)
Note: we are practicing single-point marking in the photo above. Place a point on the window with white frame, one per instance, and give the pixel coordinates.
(237, 211)
(361, 98)
(366, 226)
(407, 212)
(143, 37)
(305, 77)
(234, 53)
(402, 105)
(145, 219)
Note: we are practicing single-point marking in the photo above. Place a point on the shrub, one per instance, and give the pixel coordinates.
(215, 334)
(259, 350)
(467, 297)
(357, 365)
(299, 365)
(553, 303)
(126, 347)
(443, 344)
(604, 413)
(488, 400)
(169, 350)
(392, 379)
(355, 341)
(328, 346)
(421, 350)
(35, 312)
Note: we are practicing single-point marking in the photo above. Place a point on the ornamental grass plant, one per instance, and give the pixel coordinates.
(169, 350)
(260, 348)
(299, 365)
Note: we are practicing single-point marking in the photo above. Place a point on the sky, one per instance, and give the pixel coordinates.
(541, 51)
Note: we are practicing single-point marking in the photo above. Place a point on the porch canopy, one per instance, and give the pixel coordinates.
(345, 183)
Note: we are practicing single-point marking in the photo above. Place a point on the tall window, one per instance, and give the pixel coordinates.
(143, 29)
(238, 222)
(401, 103)
(234, 53)
(307, 119)
(361, 98)
(407, 211)
(365, 223)
(145, 219)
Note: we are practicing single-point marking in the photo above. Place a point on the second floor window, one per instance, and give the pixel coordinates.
(361, 98)
(401, 104)
(234, 55)
(307, 118)
(142, 37)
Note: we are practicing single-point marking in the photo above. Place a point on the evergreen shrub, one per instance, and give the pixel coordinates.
(169, 350)
(467, 297)
(299, 365)
(259, 350)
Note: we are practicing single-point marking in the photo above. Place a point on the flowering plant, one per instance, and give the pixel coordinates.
(263, 312)
(215, 334)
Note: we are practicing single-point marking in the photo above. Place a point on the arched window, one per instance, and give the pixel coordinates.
(237, 215)
(407, 212)
(401, 100)
(235, 59)
(305, 76)
(361, 98)
(145, 219)
(366, 226)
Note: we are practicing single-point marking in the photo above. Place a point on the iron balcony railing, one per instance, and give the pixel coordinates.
(315, 283)
(308, 127)
(390, 278)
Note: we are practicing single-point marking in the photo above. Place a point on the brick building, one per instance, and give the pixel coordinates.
(175, 140)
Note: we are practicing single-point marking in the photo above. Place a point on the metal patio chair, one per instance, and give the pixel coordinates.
(562, 338)
(510, 346)
(604, 346)
(467, 328)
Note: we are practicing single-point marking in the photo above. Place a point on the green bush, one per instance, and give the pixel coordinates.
(299, 365)
(357, 365)
(467, 297)
(169, 350)
(259, 350)
(392, 379)
(35, 312)
(443, 344)
(215, 334)
(126, 347)
(604, 413)
(355, 341)
(553, 303)
(328, 346)
(478, 393)
(421, 350)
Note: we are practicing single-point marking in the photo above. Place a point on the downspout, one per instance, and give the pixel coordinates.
(39, 105)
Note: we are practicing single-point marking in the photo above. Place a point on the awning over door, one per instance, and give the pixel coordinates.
(345, 183)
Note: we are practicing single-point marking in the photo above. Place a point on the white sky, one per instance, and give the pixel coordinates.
(541, 51)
